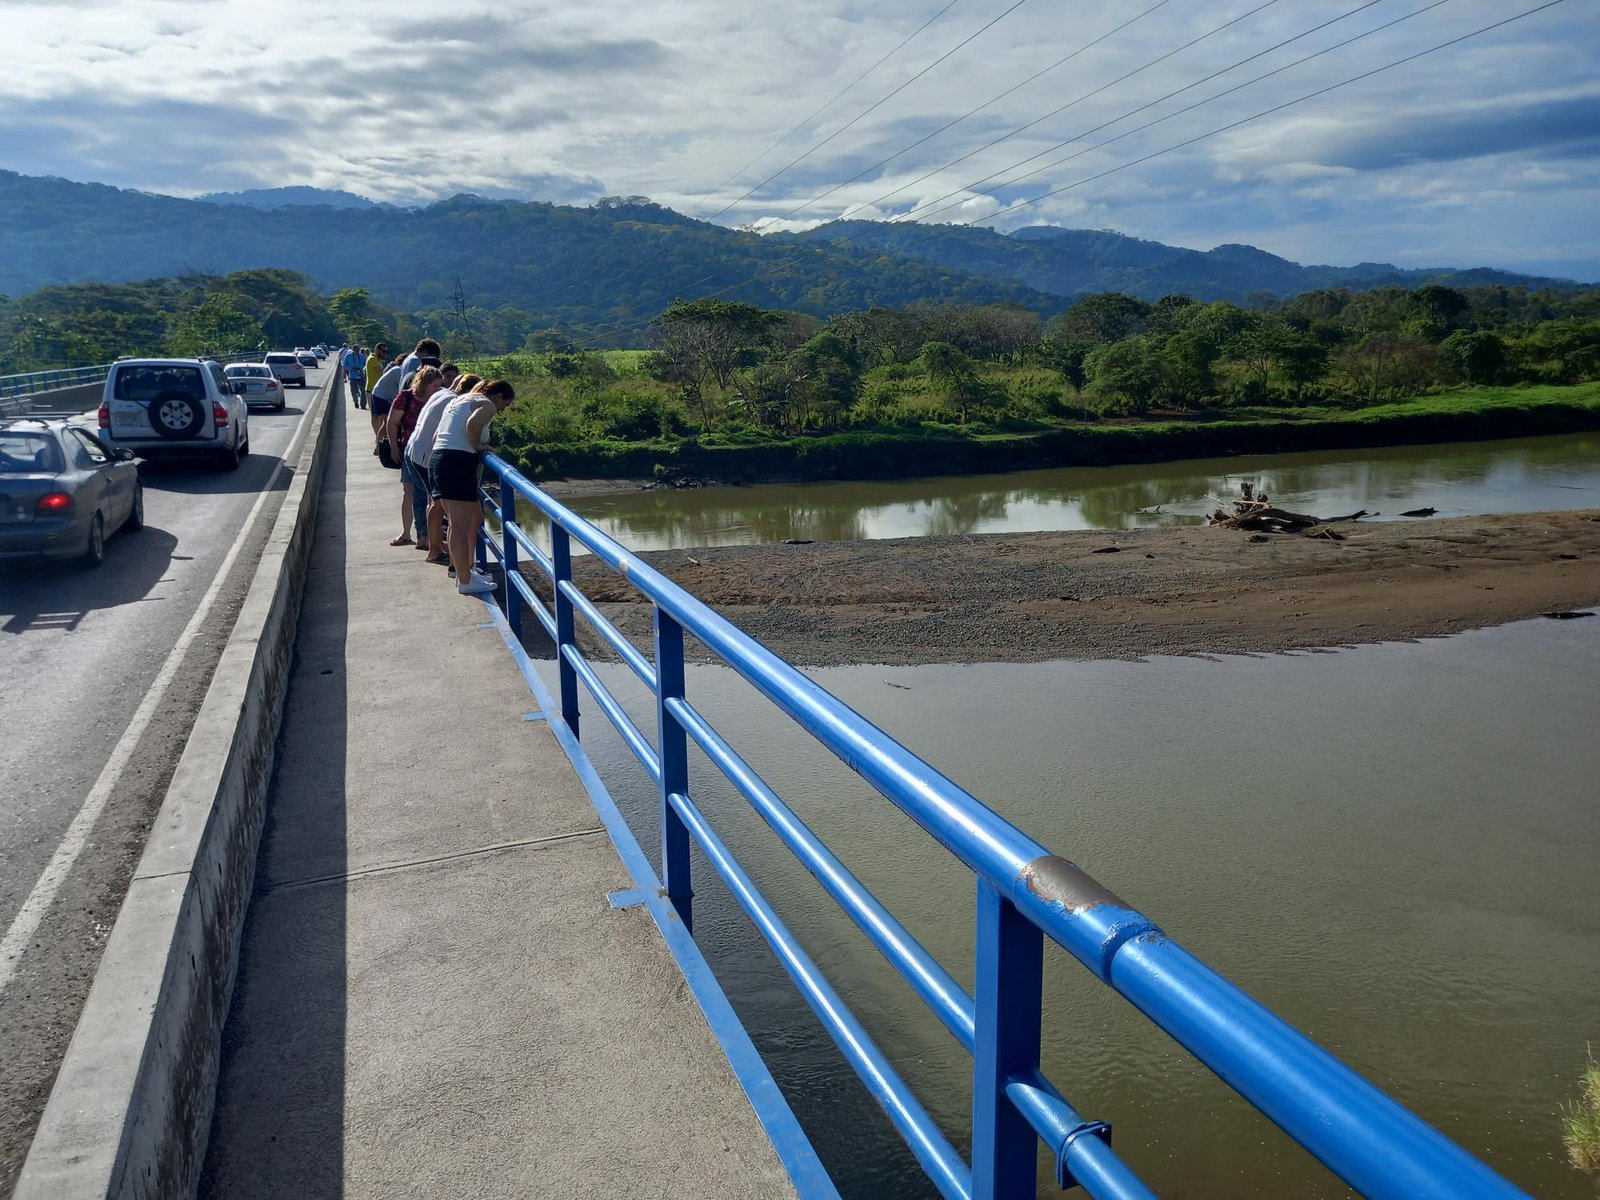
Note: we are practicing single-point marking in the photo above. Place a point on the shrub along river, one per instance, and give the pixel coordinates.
(1394, 846)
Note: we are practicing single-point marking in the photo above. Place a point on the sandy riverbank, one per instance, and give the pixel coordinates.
(1192, 590)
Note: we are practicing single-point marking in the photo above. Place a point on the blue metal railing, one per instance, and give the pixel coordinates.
(1024, 894)
(50, 381)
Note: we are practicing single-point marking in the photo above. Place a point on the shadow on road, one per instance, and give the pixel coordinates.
(58, 595)
(200, 477)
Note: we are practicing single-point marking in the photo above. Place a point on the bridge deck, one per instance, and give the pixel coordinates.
(434, 996)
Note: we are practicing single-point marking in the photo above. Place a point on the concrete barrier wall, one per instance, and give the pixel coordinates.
(81, 399)
(130, 1112)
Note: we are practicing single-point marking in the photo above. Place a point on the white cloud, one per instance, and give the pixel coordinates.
(560, 102)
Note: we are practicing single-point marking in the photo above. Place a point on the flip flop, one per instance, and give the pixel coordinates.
(438, 562)
(402, 540)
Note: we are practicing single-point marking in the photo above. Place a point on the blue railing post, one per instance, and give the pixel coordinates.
(508, 555)
(674, 751)
(1010, 985)
(566, 628)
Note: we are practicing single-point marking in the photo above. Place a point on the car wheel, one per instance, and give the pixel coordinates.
(96, 552)
(135, 521)
(232, 456)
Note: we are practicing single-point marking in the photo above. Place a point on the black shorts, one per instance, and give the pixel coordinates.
(379, 406)
(454, 474)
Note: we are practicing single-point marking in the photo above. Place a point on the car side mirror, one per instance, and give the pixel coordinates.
(125, 454)
(237, 387)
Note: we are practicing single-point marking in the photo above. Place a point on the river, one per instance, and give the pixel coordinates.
(1461, 478)
(1395, 847)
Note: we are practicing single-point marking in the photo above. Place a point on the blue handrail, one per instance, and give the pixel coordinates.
(1024, 894)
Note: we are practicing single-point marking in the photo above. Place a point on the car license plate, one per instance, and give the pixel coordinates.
(127, 419)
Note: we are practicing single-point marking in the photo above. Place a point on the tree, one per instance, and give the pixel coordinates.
(1479, 356)
(948, 366)
(1103, 317)
(218, 325)
(1125, 376)
(701, 342)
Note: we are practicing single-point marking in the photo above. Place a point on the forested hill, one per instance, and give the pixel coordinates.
(1070, 262)
(610, 268)
(616, 262)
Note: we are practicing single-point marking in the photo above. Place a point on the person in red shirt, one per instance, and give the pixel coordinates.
(398, 425)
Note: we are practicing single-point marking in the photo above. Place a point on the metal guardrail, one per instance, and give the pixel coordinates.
(33, 382)
(51, 381)
(1024, 894)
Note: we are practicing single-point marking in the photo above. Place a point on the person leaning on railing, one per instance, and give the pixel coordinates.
(420, 451)
(458, 446)
(398, 425)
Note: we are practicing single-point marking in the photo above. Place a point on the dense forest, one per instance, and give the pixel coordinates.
(732, 391)
(602, 273)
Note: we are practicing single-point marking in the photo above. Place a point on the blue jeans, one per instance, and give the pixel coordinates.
(420, 487)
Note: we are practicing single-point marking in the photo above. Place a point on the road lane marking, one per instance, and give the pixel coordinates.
(33, 910)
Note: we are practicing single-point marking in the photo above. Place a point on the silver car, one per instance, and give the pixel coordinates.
(261, 386)
(63, 491)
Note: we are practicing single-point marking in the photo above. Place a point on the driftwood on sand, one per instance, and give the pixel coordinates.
(1256, 512)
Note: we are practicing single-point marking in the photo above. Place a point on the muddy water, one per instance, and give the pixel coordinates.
(1395, 847)
(1522, 475)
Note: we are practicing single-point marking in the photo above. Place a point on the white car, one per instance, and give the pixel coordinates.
(165, 406)
(287, 367)
(261, 386)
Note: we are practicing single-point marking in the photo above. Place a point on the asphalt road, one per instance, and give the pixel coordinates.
(80, 651)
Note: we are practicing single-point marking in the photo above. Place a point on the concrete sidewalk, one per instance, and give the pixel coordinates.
(434, 996)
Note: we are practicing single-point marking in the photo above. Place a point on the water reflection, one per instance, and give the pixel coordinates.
(1522, 475)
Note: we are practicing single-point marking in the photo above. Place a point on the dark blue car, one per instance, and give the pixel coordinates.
(63, 491)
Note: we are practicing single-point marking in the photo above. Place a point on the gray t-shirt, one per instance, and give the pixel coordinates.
(388, 385)
(420, 447)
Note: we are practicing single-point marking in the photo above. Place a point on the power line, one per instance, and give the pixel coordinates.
(906, 41)
(870, 109)
(853, 120)
(1060, 62)
(1400, 62)
(927, 205)
(1146, 66)
(824, 106)
(1170, 149)
(1078, 100)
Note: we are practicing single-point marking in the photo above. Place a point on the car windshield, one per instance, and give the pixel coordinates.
(146, 383)
(24, 453)
(254, 372)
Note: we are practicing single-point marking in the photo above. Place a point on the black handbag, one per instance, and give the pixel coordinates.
(386, 455)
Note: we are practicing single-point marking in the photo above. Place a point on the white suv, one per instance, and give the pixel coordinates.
(160, 406)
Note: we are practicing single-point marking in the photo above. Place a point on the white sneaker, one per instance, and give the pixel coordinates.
(475, 586)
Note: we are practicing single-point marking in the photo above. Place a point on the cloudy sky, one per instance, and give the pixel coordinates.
(1484, 153)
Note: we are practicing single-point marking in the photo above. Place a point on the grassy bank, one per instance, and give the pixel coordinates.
(1474, 414)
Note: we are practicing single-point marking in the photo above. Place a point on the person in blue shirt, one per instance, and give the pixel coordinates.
(354, 362)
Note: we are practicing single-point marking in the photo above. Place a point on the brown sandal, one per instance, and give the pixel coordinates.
(402, 540)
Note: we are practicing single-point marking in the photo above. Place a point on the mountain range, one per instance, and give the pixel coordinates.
(612, 266)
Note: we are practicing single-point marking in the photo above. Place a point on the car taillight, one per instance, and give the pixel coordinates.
(272, 385)
(219, 415)
(53, 504)
(104, 415)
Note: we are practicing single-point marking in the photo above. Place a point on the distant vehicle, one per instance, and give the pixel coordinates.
(287, 367)
(63, 491)
(308, 358)
(320, 351)
(163, 406)
(261, 386)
